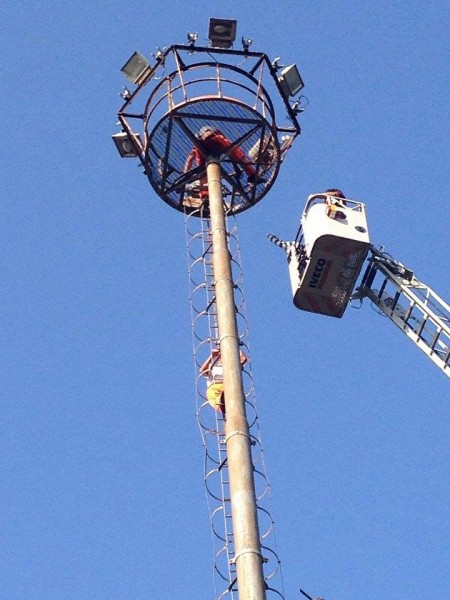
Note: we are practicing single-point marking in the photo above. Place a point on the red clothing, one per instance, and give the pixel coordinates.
(195, 155)
(217, 143)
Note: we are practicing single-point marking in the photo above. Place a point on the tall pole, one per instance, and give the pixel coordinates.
(247, 547)
(257, 126)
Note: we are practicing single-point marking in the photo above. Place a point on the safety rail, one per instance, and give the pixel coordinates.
(325, 198)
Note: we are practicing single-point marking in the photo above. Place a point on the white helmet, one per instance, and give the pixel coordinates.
(205, 132)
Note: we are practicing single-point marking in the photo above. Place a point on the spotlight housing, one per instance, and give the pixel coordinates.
(222, 32)
(136, 68)
(192, 37)
(290, 81)
(125, 146)
(246, 43)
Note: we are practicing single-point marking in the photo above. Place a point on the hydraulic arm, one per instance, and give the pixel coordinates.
(412, 305)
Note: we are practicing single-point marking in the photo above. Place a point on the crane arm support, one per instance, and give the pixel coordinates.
(412, 305)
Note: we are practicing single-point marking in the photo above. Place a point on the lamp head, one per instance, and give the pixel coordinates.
(136, 67)
(246, 43)
(125, 146)
(222, 32)
(192, 38)
(290, 81)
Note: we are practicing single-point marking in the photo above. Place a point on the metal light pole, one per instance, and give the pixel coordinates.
(248, 556)
(191, 88)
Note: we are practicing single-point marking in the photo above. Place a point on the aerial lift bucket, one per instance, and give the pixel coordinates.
(330, 249)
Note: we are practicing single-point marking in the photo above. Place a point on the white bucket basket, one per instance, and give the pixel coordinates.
(332, 244)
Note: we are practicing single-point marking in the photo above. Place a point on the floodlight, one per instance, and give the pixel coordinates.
(192, 37)
(125, 146)
(136, 67)
(125, 93)
(158, 54)
(246, 43)
(290, 81)
(276, 63)
(222, 32)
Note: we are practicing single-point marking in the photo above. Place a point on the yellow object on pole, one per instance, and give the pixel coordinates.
(247, 547)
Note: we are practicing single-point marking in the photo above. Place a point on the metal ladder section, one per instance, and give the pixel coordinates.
(413, 306)
(211, 423)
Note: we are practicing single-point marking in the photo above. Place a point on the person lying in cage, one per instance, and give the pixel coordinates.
(216, 142)
(212, 369)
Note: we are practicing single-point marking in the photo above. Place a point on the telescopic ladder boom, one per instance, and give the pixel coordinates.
(412, 305)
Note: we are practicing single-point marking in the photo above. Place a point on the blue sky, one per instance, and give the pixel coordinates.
(102, 485)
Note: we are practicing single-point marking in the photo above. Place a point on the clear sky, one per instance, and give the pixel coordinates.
(102, 464)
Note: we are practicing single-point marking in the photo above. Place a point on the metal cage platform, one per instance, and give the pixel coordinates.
(187, 96)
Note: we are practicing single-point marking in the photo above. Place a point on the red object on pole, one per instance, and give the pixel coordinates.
(215, 143)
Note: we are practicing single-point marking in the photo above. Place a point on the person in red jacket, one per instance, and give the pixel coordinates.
(215, 142)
